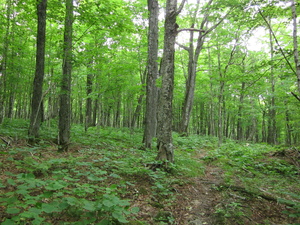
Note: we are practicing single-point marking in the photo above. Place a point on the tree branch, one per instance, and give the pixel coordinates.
(191, 29)
(276, 40)
(180, 7)
(296, 96)
(184, 47)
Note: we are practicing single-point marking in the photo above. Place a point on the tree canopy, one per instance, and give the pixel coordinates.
(245, 84)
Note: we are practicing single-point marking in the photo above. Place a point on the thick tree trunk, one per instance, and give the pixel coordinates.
(36, 116)
(164, 128)
(3, 66)
(151, 89)
(65, 101)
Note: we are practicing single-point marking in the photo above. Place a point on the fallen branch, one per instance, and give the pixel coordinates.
(266, 195)
(7, 142)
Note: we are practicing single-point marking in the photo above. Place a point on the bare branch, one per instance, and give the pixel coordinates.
(191, 29)
(296, 96)
(184, 47)
(217, 24)
(180, 7)
(276, 40)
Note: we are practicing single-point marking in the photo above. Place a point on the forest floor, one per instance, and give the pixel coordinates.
(105, 179)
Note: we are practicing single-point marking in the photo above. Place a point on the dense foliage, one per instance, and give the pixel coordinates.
(243, 84)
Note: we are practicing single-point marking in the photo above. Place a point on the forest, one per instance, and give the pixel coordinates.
(149, 112)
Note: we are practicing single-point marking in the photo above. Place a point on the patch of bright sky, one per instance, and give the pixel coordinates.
(257, 41)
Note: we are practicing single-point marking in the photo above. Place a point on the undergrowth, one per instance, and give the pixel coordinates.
(255, 168)
(94, 183)
(105, 171)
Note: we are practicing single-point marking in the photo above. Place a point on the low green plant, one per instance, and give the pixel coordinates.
(293, 205)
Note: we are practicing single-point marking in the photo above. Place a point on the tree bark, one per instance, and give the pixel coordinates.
(151, 89)
(240, 132)
(3, 67)
(36, 116)
(65, 101)
(192, 66)
(164, 129)
(88, 112)
(295, 43)
(271, 139)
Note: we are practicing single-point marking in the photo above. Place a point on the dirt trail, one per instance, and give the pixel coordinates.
(199, 198)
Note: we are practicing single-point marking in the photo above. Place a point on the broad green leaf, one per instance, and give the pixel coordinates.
(104, 222)
(88, 205)
(108, 203)
(12, 210)
(55, 186)
(50, 207)
(11, 181)
(8, 222)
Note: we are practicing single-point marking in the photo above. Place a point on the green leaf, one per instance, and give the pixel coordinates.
(47, 208)
(135, 209)
(88, 205)
(11, 182)
(8, 222)
(51, 207)
(104, 222)
(37, 221)
(108, 203)
(1, 185)
(12, 210)
(119, 216)
(55, 186)
(71, 201)
(35, 210)
(11, 200)
(22, 191)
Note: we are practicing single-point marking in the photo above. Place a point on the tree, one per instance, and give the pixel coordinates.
(193, 63)
(151, 89)
(295, 45)
(3, 68)
(65, 95)
(164, 116)
(37, 95)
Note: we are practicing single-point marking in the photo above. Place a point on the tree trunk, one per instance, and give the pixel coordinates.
(288, 136)
(3, 67)
(192, 66)
(65, 101)
(240, 132)
(295, 43)
(271, 139)
(88, 112)
(151, 89)
(36, 116)
(164, 129)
